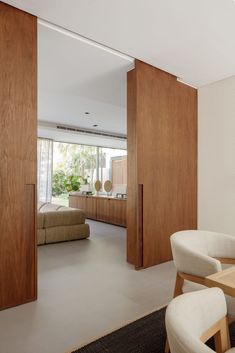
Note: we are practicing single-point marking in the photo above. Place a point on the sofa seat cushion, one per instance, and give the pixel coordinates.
(64, 217)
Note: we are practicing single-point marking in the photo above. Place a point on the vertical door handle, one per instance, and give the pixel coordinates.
(139, 243)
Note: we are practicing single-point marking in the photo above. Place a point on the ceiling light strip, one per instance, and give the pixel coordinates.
(186, 83)
(83, 39)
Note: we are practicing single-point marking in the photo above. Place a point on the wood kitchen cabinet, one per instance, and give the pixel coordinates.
(101, 208)
(91, 207)
(111, 210)
(77, 202)
(103, 211)
(86, 203)
(117, 211)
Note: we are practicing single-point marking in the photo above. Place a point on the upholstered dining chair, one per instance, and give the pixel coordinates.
(198, 254)
(193, 318)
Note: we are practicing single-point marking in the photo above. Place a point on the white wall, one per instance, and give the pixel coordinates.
(216, 156)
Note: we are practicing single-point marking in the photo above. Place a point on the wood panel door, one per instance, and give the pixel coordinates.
(18, 146)
(163, 153)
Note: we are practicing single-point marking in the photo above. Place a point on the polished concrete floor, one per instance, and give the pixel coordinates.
(86, 289)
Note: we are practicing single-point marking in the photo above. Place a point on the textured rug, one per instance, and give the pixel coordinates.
(146, 335)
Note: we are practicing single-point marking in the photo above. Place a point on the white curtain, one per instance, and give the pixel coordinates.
(45, 160)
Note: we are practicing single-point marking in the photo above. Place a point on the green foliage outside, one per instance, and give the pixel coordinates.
(76, 167)
(63, 183)
(58, 181)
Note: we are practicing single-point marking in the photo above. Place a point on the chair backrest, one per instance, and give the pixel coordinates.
(194, 251)
(190, 315)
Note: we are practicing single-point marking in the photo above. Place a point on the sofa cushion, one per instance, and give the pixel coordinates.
(40, 219)
(63, 217)
(64, 208)
(65, 233)
(41, 235)
(49, 207)
(41, 204)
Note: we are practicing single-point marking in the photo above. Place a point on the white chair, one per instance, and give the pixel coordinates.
(198, 254)
(193, 318)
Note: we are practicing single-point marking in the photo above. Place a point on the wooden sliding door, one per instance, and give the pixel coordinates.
(18, 137)
(162, 163)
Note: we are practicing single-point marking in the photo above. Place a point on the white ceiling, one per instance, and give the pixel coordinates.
(192, 39)
(47, 130)
(76, 77)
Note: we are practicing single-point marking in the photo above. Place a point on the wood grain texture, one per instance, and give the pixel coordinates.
(18, 139)
(225, 260)
(224, 279)
(101, 208)
(119, 171)
(117, 212)
(85, 203)
(103, 213)
(74, 201)
(179, 281)
(133, 246)
(220, 331)
(162, 143)
(91, 207)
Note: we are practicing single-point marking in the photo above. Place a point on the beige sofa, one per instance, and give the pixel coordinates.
(58, 223)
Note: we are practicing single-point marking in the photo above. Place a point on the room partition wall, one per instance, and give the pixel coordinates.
(162, 160)
(162, 163)
(18, 131)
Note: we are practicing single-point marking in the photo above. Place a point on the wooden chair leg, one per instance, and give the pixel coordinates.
(167, 347)
(220, 333)
(229, 320)
(220, 342)
(179, 281)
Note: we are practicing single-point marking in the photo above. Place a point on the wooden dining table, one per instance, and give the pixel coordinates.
(224, 279)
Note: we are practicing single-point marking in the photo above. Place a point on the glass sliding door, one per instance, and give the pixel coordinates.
(74, 167)
(66, 167)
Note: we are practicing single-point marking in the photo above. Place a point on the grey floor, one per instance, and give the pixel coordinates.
(86, 289)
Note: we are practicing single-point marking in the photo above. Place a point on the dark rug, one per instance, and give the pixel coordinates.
(146, 335)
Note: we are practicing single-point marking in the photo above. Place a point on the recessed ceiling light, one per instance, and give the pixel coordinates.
(95, 125)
